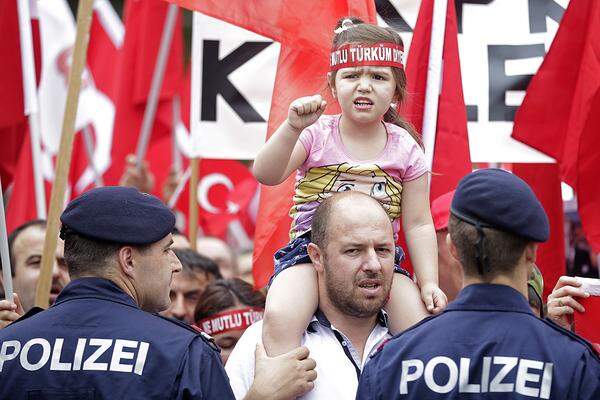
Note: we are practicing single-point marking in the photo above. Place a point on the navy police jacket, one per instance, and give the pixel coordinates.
(95, 343)
(487, 344)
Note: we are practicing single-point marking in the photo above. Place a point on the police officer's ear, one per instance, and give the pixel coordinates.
(316, 256)
(452, 247)
(125, 260)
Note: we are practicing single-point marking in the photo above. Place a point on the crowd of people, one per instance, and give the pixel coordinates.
(137, 313)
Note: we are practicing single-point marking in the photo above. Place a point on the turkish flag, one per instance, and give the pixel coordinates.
(305, 32)
(560, 113)
(144, 22)
(225, 189)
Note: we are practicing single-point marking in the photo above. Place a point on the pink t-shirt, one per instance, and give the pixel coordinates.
(329, 169)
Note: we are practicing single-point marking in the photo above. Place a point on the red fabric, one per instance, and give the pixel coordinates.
(234, 320)
(559, 115)
(219, 204)
(305, 34)
(451, 157)
(451, 160)
(143, 29)
(100, 49)
(545, 182)
(587, 324)
(21, 207)
(440, 210)
(12, 118)
(357, 54)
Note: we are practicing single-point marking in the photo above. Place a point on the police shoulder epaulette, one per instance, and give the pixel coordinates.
(28, 314)
(573, 336)
(193, 328)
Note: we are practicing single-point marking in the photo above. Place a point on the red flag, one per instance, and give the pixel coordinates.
(144, 21)
(545, 182)
(451, 158)
(225, 189)
(21, 207)
(559, 115)
(12, 118)
(305, 34)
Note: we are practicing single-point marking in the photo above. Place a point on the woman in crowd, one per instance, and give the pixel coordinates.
(227, 307)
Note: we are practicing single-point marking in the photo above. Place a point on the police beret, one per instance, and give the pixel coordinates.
(118, 214)
(494, 198)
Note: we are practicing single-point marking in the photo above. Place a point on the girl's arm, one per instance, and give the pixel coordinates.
(283, 153)
(420, 234)
(280, 156)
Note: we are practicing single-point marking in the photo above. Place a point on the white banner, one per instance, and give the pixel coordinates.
(501, 42)
(233, 73)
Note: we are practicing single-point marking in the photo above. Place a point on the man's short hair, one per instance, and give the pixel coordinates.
(193, 261)
(318, 227)
(85, 256)
(12, 238)
(502, 249)
(323, 213)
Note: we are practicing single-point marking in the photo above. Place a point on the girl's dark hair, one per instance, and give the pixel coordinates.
(225, 293)
(362, 32)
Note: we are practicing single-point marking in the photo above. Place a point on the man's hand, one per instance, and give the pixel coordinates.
(10, 312)
(140, 178)
(562, 304)
(283, 377)
(170, 185)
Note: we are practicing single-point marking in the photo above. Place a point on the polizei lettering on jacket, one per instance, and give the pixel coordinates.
(86, 354)
(494, 375)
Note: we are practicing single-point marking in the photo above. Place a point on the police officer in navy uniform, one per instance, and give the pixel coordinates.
(488, 344)
(102, 339)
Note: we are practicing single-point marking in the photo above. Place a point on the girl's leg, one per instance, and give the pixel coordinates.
(405, 307)
(291, 303)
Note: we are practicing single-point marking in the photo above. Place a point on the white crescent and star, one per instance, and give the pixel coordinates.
(206, 185)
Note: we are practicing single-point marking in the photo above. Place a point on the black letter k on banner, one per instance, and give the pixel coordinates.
(215, 73)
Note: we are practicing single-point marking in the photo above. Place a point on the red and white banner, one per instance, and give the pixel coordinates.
(226, 191)
(235, 320)
(96, 107)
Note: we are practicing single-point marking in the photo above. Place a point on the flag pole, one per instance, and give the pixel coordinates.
(6, 270)
(193, 222)
(434, 78)
(157, 79)
(31, 104)
(84, 20)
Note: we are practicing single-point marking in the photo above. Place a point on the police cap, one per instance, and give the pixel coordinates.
(494, 198)
(118, 214)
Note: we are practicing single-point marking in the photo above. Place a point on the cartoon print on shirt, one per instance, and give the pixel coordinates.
(321, 182)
